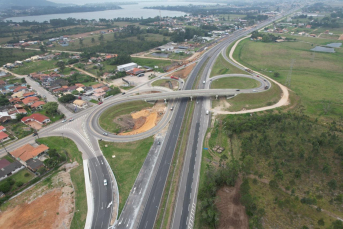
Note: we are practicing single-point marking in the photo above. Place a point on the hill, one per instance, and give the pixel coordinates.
(22, 3)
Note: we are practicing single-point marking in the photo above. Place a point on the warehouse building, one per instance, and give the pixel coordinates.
(126, 67)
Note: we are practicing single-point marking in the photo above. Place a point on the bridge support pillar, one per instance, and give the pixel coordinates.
(191, 98)
(216, 96)
(165, 100)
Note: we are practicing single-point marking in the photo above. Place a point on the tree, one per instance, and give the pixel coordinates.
(4, 101)
(279, 174)
(61, 64)
(93, 40)
(276, 74)
(332, 184)
(113, 91)
(22, 48)
(101, 37)
(247, 164)
(337, 224)
(5, 187)
(19, 183)
(43, 48)
(19, 116)
(81, 41)
(50, 107)
(67, 98)
(321, 222)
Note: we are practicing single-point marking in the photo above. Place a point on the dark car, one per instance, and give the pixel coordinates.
(237, 90)
(123, 93)
(34, 134)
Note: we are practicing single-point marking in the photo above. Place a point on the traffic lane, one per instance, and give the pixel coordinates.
(134, 201)
(150, 211)
(102, 193)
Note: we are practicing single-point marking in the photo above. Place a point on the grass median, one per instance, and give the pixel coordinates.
(77, 176)
(128, 160)
(106, 118)
(221, 67)
(235, 82)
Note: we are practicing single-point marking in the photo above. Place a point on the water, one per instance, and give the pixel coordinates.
(135, 11)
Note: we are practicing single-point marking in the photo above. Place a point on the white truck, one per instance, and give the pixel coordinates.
(207, 112)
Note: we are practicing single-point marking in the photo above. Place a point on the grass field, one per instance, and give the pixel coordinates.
(254, 100)
(106, 118)
(316, 77)
(20, 177)
(151, 62)
(235, 82)
(221, 67)
(36, 66)
(129, 158)
(77, 176)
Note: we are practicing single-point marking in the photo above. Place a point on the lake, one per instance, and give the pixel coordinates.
(135, 11)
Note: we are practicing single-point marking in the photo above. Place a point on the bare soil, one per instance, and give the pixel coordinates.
(125, 122)
(42, 206)
(341, 37)
(144, 120)
(183, 73)
(232, 212)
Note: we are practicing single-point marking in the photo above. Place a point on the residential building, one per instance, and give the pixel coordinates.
(4, 163)
(2, 128)
(30, 100)
(10, 169)
(80, 103)
(96, 86)
(20, 88)
(37, 105)
(36, 117)
(34, 164)
(29, 94)
(26, 152)
(4, 137)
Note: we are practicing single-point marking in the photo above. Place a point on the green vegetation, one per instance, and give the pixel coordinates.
(316, 77)
(291, 167)
(36, 66)
(16, 180)
(151, 62)
(255, 100)
(221, 67)
(235, 82)
(163, 83)
(128, 160)
(67, 146)
(10, 55)
(107, 117)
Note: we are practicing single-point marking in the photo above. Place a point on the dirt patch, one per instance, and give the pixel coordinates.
(35, 125)
(83, 35)
(232, 213)
(125, 122)
(49, 204)
(340, 37)
(222, 105)
(183, 73)
(146, 119)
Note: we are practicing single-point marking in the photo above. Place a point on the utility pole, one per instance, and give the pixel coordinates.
(289, 76)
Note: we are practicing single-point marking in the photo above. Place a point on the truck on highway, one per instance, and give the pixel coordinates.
(204, 82)
(174, 77)
(247, 70)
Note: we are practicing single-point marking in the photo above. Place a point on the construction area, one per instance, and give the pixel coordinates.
(48, 204)
(141, 121)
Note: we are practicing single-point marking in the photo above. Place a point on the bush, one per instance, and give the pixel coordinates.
(26, 175)
(19, 183)
(5, 187)
(321, 222)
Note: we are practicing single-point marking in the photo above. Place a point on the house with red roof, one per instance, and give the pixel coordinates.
(36, 117)
(2, 128)
(20, 88)
(4, 137)
(15, 100)
(2, 82)
(28, 94)
(30, 100)
(38, 105)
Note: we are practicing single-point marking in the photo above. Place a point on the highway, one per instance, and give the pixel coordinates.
(85, 132)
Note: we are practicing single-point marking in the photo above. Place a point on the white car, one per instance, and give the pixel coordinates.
(254, 90)
(105, 182)
(64, 120)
